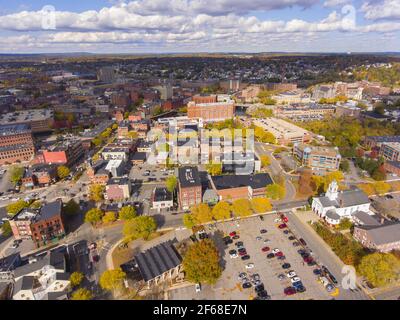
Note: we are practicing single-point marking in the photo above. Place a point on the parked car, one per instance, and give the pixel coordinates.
(265, 249)
(270, 256)
(289, 291)
(317, 272)
(246, 285)
(286, 231)
(242, 275)
(276, 250)
(291, 274)
(302, 242)
(282, 226)
(239, 244)
(232, 234)
(249, 265)
(236, 237)
(291, 238)
(286, 266)
(295, 244)
(246, 257)
(279, 254)
(259, 288)
(295, 279)
(281, 258)
(262, 231)
(197, 287)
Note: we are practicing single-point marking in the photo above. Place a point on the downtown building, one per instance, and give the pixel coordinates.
(16, 143)
(211, 110)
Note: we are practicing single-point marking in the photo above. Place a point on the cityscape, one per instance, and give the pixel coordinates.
(198, 174)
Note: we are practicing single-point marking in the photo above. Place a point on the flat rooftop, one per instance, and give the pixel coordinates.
(26, 116)
(12, 129)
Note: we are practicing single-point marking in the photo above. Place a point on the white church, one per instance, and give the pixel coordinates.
(336, 205)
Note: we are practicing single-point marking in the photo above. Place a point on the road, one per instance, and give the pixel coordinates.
(324, 256)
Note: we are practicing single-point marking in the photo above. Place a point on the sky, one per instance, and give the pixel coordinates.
(180, 26)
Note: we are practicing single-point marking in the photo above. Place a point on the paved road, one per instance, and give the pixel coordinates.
(324, 256)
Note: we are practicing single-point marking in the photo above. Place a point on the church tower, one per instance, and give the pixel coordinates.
(332, 192)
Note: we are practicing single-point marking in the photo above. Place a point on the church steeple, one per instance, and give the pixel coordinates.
(332, 192)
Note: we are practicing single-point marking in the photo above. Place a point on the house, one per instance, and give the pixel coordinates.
(162, 199)
(189, 185)
(48, 226)
(233, 187)
(41, 277)
(21, 223)
(382, 237)
(97, 172)
(336, 205)
(118, 189)
(159, 264)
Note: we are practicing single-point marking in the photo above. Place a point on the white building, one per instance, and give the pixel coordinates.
(336, 205)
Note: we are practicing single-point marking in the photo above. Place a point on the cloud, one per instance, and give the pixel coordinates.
(382, 9)
(335, 3)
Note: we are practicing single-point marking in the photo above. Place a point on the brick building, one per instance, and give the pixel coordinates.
(16, 143)
(190, 188)
(66, 152)
(215, 111)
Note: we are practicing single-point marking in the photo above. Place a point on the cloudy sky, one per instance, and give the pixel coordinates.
(163, 26)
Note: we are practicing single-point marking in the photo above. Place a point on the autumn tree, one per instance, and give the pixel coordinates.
(265, 161)
(171, 183)
(109, 217)
(214, 169)
(261, 205)
(96, 192)
(345, 224)
(140, 227)
(275, 191)
(63, 172)
(368, 188)
(381, 187)
(6, 229)
(133, 135)
(82, 294)
(16, 174)
(76, 279)
(201, 262)
(380, 268)
(242, 208)
(112, 280)
(15, 207)
(127, 213)
(189, 221)
(94, 216)
(221, 211)
(202, 213)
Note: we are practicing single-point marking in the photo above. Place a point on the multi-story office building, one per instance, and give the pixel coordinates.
(39, 120)
(190, 188)
(318, 158)
(390, 151)
(211, 111)
(66, 152)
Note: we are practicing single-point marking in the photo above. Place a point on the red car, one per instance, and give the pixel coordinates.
(284, 219)
(279, 254)
(265, 249)
(308, 259)
(232, 234)
(242, 253)
(289, 291)
(282, 226)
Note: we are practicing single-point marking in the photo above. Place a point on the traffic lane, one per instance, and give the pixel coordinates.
(324, 257)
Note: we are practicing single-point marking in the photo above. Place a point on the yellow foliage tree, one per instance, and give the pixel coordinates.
(261, 205)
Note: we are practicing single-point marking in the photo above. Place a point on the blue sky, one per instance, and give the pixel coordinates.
(140, 26)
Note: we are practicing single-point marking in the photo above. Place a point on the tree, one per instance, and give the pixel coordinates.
(368, 188)
(171, 183)
(6, 229)
(265, 161)
(242, 208)
(221, 211)
(76, 279)
(214, 169)
(82, 294)
(63, 172)
(112, 280)
(140, 227)
(345, 224)
(71, 208)
(189, 221)
(275, 191)
(94, 216)
(133, 135)
(261, 205)
(381, 187)
(109, 217)
(380, 268)
(127, 213)
(202, 213)
(97, 141)
(201, 262)
(96, 192)
(36, 204)
(15, 207)
(16, 174)
(345, 165)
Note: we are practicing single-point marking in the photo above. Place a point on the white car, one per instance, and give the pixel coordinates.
(197, 287)
(250, 266)
(295, 279)
(234, 256)
(276, 250)
(291, 274)
(277, 220)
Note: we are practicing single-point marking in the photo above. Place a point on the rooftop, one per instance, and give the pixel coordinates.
(26, 116)
(255, 181)
(383, 234)
(162, 194)
(12, 129)
(189, 177)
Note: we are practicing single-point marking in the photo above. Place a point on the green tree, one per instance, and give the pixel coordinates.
(94, 216)
(109, 217)
(261, 205)
(345, 165)
(71, 208)
(380, 268)
(112, 280)
(82, 294)
(171, 183)
(345, 224)
(275, 191)
(201, 262)
(15, 207)
(241, 208)
(76, 279)
(96, 192)
(127, 213)
(63, 172)
(140, 227)
(6, 229)
(35, 204)
(221, 211)
(16, 174)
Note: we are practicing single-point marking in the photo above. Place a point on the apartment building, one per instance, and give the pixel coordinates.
(190, 188)
(211, 111)
(16, 143)
(390, 151)
(66, 152)
(21, 223)
(383, 238)
(290, 97)
(301, 112)
(319, 159)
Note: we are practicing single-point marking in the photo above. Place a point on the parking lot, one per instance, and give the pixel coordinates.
(229, 286)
